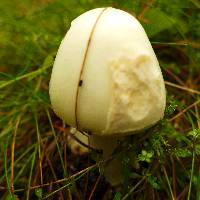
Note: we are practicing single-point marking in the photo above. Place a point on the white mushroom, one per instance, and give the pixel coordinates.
(106, 79)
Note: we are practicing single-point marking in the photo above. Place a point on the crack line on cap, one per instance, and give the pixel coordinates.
(80, 81)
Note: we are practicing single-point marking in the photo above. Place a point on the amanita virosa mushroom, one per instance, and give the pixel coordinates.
(106, 80)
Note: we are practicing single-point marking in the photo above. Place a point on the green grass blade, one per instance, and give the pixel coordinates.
(30, 175)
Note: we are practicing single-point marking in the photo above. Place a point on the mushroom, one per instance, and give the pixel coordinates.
(106, 80)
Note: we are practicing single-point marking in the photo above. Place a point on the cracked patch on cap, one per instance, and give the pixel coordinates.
(138, 95)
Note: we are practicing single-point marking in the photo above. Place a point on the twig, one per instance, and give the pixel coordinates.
(65, 186)
(62, 180)
(167, 179)
(3, 188)
(56, 141)
(13, 154)
(196, 3)
(144, 10)
(39, 149)
(175, 77)
(31, 74)
(94, 188)
(65, 150)
(132, 189)
(182, 87)
(192, 172)
(170, 43)
(31, 173)
(183, 111)
(182, 194)
(174, 177)
(53, 172)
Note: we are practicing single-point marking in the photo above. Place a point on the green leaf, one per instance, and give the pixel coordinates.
(183, 153)
(12, 197)
(38, 192)
(48, 61)
(173, 104)
(196, 182)
(118, 196)
(194, 133)
(153, 182)
(145, 156)
(197, 149)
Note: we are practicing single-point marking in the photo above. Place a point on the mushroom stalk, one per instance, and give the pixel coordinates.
(113, 169)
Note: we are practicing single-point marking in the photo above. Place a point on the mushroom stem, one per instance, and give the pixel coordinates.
(113, 169)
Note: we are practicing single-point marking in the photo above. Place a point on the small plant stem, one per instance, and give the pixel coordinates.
(132, 189)
(175, 77)
(183, 111)
(68, 184)
(57, 145)
(31, 172)
(171, 43)
(18, 159)
(145, 8)
(84, 171)
(192, 172)
(39, 148)
(5, 166)
(65, 150)
(54, 174)
(196, 3)
(182, 87)
(168, 183)
(94, 188)
(174, 177)
(31, 74)
(13, 154)
(59, 151)
(183, 193)
(28, 161)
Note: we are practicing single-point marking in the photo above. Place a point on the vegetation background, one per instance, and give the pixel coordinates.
(35, 159)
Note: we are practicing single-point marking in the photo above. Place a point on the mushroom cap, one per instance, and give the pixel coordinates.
(106, 78)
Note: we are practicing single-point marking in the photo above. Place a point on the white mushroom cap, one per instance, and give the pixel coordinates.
(106, 78)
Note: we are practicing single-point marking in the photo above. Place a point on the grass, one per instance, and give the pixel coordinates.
(35, 159)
